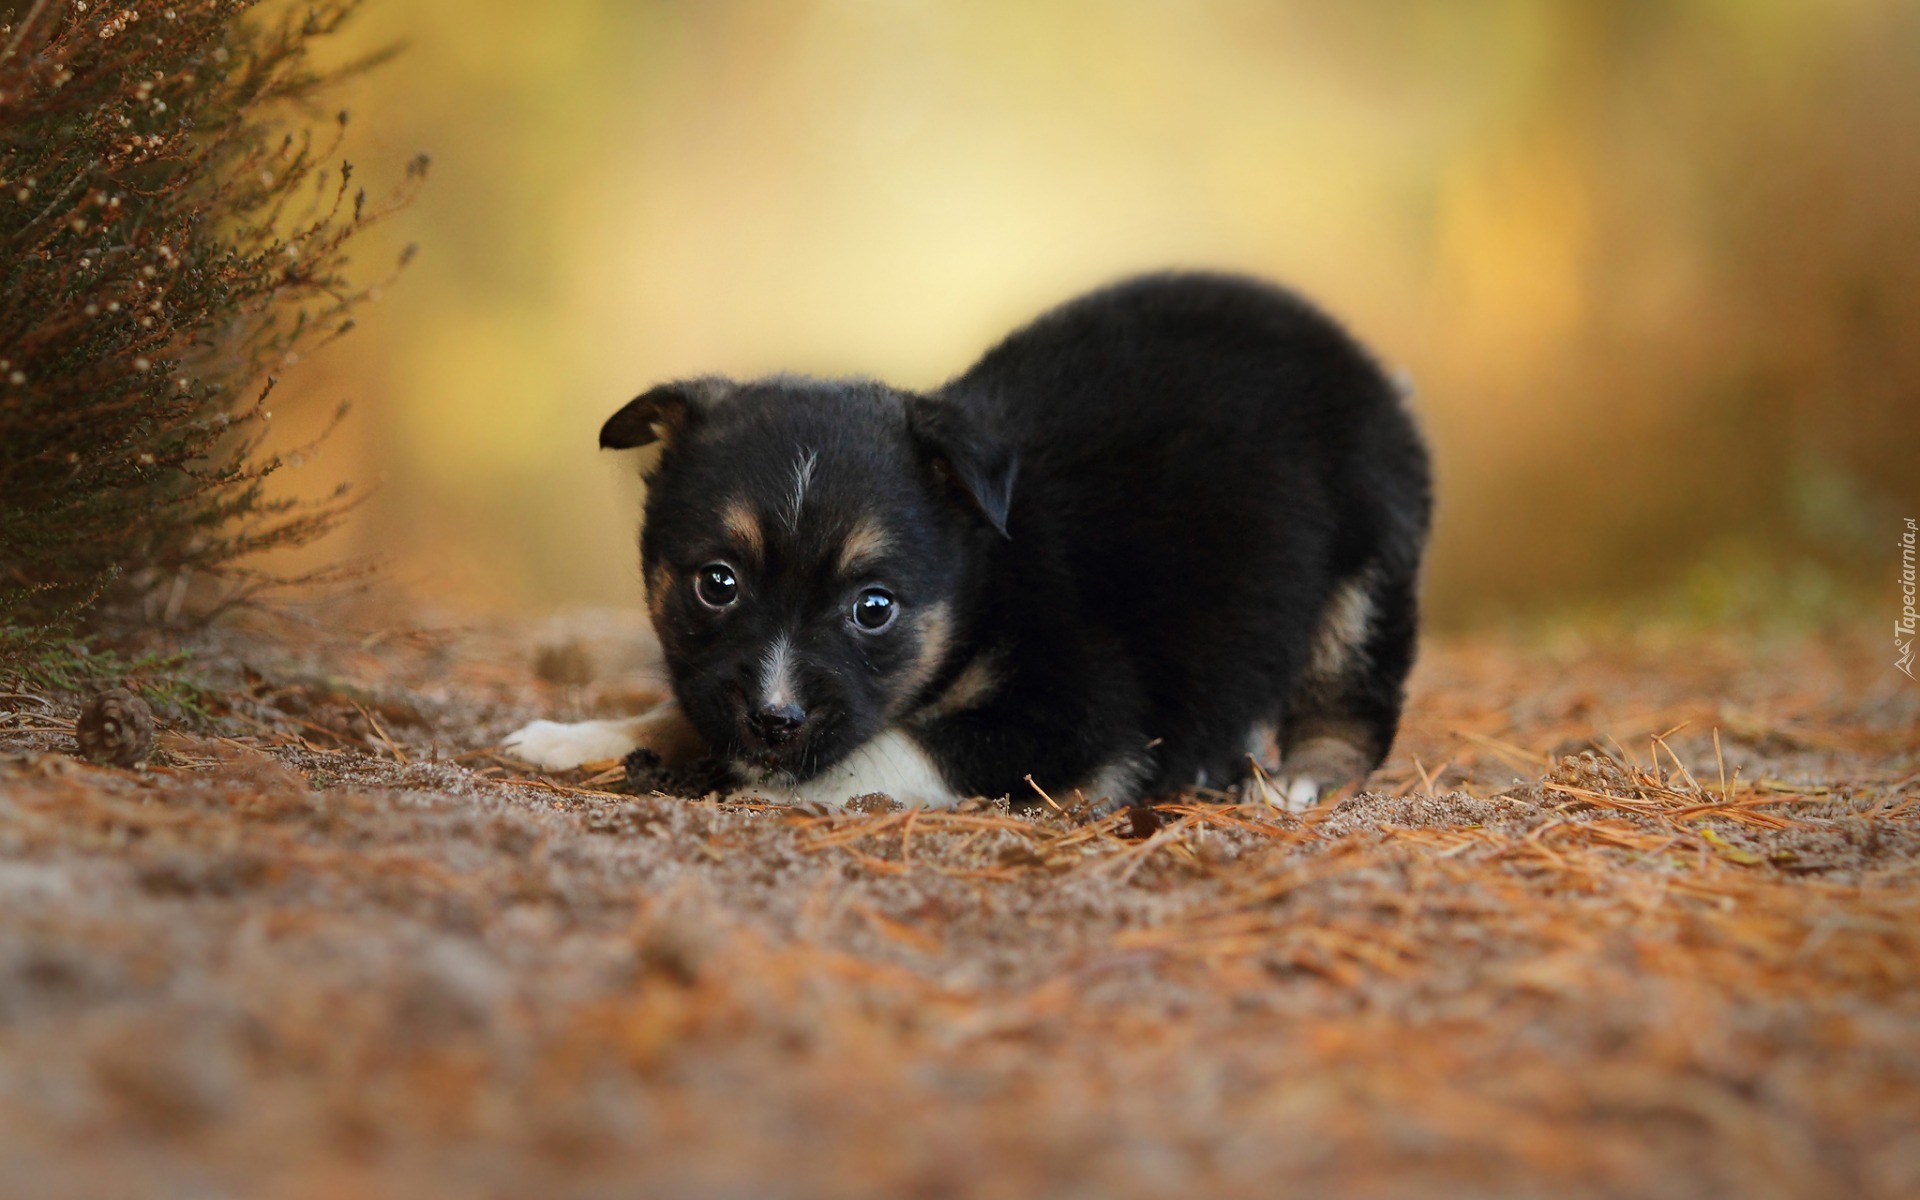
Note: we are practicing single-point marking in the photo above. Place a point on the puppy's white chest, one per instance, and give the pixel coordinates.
(891, 763)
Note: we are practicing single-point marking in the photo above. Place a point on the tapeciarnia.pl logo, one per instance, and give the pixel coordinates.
(1904, 627)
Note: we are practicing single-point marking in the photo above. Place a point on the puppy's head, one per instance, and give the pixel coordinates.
(807, 550)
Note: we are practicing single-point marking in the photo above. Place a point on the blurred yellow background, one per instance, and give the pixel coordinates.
(1654, 267)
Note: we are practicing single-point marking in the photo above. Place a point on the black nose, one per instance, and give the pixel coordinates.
(776, 725)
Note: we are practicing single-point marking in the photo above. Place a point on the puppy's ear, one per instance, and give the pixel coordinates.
(966, 452)
(663, 412)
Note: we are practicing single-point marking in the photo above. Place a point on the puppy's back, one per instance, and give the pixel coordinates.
(1195, 414)
(1209, 458)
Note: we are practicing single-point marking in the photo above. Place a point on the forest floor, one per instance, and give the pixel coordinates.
(1627, 913)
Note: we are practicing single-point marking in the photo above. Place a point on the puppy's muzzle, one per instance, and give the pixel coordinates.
(776, 725)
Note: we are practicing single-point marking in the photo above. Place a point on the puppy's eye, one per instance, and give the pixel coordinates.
(874, 610)
(715, 585)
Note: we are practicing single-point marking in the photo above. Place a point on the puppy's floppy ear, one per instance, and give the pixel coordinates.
(663, 412)
(968, 452)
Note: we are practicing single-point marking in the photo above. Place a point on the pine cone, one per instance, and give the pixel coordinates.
(115, 728)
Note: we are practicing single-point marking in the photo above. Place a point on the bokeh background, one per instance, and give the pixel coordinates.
(1654, 266)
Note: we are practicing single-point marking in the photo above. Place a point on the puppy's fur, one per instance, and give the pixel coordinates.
(1166, 530)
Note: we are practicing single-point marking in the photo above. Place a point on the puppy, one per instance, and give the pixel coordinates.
(1166, 531)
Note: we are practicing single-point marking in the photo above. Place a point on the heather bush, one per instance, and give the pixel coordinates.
(174, 225)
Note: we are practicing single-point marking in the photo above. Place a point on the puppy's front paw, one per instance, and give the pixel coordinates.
(562, 746)
(1313, 768)
(1297, 794)
(1288, 793)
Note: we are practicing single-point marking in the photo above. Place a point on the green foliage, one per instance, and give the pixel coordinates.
(52, 660)
(169, 236)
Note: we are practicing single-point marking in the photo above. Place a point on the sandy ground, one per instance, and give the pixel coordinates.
(334, 946)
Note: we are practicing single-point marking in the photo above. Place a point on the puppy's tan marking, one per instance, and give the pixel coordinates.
(867, 542)
(935, 628)
(976, 682)
(659, 583)
(1343, 629)
(743, 526)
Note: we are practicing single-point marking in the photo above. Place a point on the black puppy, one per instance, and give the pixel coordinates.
(1168, 529)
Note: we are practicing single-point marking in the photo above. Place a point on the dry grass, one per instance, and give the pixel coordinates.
(1625, 916)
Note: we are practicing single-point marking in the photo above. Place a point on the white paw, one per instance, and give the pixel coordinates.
(1295, 795)
(1302, 793)
(562, 746)
(1316, 767)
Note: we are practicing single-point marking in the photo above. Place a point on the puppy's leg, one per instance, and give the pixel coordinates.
(562, 746)
(1345, 710)
(1331, 756)
(1018, 734)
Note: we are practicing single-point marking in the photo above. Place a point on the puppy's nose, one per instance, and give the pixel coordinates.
(777, 723)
